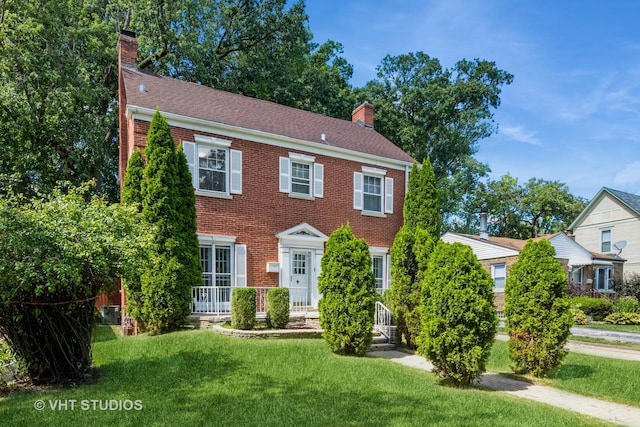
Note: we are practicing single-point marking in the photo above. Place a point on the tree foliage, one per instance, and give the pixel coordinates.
(537, 310)
(161, 298)
(348, 300)
(433, 112)
(58, 83)
(527, 211)
(56, 256)
(458, 319)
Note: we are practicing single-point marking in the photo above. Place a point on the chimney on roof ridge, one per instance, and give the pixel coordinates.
(127, 48)
(483, 226)
(363, 115)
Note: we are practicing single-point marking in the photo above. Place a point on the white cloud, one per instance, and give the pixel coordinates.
(630, 174)
(520, 134)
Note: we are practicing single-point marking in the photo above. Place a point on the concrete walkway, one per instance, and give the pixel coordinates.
(608, 411)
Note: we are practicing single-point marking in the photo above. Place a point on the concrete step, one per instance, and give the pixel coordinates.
(382, 347)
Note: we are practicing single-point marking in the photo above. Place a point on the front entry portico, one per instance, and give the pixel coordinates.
(300, 250)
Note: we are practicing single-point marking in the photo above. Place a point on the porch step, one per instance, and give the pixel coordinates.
(382, 347)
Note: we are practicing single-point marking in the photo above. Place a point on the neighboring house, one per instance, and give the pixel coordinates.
(586, 271)
(271, 182)
(610, 224)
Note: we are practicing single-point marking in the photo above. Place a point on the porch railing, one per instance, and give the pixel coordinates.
(216, 300)
(383, 321)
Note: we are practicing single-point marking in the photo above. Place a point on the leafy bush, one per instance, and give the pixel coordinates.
(56, 256)
(630, 286)
(597, 308)
(243, 308)
(278, 307)
(459, 319)
(348, 292)
(579, 318)
(618, 318)
(626, 305)
(537, 310)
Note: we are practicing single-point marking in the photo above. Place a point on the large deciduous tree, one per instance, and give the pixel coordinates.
(57, 90)
(429, 111)
(527, 211)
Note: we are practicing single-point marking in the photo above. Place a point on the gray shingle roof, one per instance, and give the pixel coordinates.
(192, 100)
(631, 200)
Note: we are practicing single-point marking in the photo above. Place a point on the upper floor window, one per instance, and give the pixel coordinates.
(605, 239)
(301, 176)
(499, 275)
(216, 169)
(372, 191)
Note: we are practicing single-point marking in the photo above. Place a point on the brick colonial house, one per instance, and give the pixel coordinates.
(587, 271)
(271, 182)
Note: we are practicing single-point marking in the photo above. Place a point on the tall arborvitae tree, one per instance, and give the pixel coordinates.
(132, 185)
(458, 319)
(167, 281)
(348, 292)
(410, 251)
(537, 310)
(132, 194)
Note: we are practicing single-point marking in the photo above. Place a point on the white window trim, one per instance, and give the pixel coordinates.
(384, 254)
(316, 176)
(602, 241)
(493, 275)
(386, 191)
(238, 256)
(233, 165)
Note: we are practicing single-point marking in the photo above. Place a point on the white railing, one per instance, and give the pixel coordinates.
(383, 321)
(217, 300)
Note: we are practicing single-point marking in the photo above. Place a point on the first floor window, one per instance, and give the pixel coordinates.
(576, 276)
(216, 265)
(604, 278)
(499, 274)
(378, 271)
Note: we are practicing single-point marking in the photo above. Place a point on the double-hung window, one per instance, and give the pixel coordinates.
(216, 169)
(301, 176)
(605, 241)
(372, 191)
(499, 275)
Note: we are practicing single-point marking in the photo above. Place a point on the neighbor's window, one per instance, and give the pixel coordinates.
(604, 279)
(499, 274)
(606, 241)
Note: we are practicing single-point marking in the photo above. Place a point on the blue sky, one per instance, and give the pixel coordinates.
(572, 113)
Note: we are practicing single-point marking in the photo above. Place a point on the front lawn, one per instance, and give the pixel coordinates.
(201, 378)
(601, 377)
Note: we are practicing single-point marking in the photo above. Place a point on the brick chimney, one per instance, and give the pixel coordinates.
(363, 115)
(127, 48)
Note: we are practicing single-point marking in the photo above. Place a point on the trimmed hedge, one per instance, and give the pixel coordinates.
(243, 308)
(623, 319)
(278, 308)
(597, 308)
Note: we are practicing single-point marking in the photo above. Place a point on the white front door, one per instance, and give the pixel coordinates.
(301, 284)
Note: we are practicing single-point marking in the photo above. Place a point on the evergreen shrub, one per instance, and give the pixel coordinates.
(278, 307)
(243, 308)
(347, 286)
(597, 308)
(459, 319)
(537, 310)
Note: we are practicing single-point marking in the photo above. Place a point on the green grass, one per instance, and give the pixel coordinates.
(601, 377)
(201, 378)
(602, 341)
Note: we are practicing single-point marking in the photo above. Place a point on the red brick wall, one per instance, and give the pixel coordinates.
(261, 211)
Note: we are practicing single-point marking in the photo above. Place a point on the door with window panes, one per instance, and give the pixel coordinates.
(301, 283)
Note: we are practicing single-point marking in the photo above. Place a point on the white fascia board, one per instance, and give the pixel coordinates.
(146, 114)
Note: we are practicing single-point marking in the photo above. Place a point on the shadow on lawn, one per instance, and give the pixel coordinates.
(568, 371)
